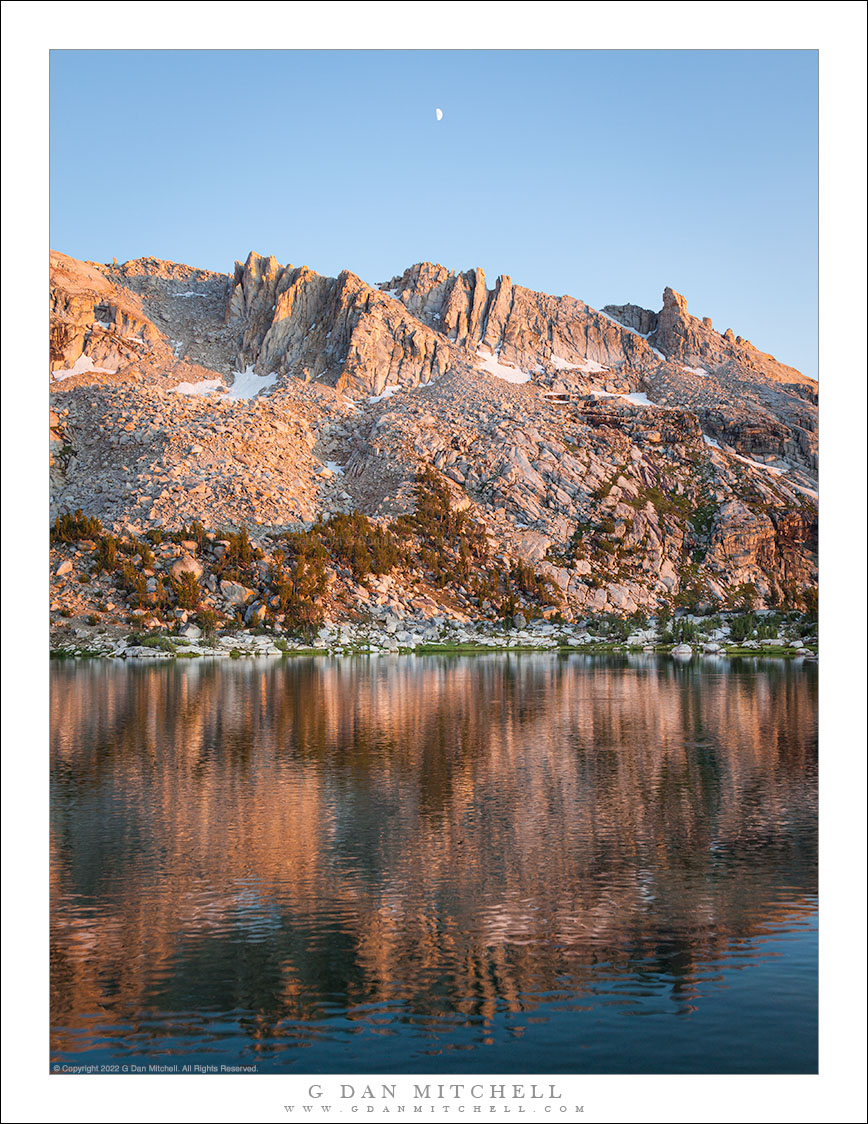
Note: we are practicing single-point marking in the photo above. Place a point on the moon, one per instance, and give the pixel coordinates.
(438, 113)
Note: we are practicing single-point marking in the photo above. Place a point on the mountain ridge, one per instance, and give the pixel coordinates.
(637, 459)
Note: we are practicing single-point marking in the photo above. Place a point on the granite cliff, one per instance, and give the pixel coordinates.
(637, 461)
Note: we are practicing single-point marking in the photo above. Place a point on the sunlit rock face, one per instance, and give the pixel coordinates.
(660, 461)
(294, 321)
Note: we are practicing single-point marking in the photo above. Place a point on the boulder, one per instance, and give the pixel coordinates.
(186, 564)
(235, 593)
(255, 614)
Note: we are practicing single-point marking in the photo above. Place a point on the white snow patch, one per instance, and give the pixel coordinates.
(659, 354)
(695, 371)
(764, 467)
(83, 365)
(248, 384)
(103, 324)
(807, 491)
(500, 370)
(207, 386)
(337, 469)
(589, 366)
(388, 391)
(711, 441)
(204, 296)
(637, 397)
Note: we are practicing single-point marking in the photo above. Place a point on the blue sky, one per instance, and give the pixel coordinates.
(603, 174)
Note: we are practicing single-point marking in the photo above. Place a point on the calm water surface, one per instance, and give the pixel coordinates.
(488, 864)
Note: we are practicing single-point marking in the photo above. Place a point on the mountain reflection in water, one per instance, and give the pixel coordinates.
(460, 864)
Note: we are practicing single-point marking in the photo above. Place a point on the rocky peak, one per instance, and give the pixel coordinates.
(254, 287)
(524, 328)
(695, 343)
(93, 323)
(145, 318)
(674, 303)
(455, 304)
(294, 321)
(673, 332)
(157, 268)
(646, 457)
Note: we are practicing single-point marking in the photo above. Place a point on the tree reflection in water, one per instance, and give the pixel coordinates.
(416, 844)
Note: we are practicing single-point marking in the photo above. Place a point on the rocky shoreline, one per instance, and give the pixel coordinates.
(412, 637)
